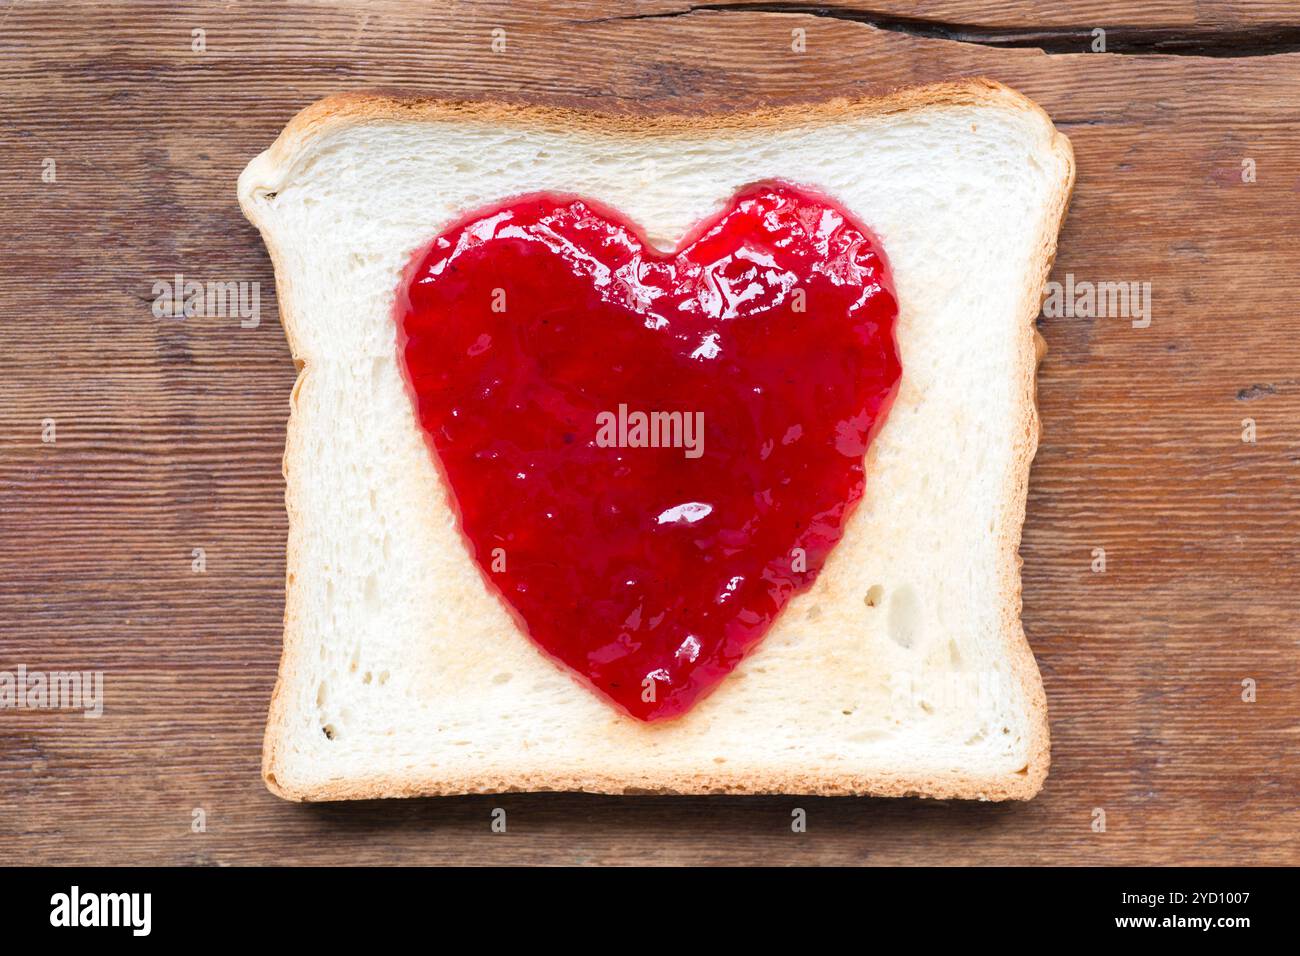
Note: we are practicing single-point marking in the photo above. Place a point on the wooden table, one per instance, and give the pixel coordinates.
(169, 432)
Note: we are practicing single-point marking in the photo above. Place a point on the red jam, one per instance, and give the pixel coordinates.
(650, 552)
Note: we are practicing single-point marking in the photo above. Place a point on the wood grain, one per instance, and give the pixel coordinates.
(169, 432)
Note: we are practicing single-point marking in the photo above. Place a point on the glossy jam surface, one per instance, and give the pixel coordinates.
(536, 334)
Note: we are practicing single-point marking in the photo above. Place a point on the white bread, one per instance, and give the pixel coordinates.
(402, 675)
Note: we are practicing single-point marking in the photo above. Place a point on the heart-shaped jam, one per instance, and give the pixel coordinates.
(650, 454)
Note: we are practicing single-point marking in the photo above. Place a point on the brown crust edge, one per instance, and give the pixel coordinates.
(266, 171)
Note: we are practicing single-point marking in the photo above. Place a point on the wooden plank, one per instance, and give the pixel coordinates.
(170, 431)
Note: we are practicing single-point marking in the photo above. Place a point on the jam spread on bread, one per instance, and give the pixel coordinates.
(649, 454)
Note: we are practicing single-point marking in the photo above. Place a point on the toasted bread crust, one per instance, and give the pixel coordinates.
(264, 176)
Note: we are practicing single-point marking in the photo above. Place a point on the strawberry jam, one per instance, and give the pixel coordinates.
(651, 453)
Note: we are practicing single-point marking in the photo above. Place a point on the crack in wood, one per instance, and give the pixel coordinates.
(1265, 40)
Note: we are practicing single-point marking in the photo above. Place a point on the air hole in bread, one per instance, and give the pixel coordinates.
(866, 736)
(875, 594)
(814, 612)
(328, 731)
(501, 678)
(904, 616)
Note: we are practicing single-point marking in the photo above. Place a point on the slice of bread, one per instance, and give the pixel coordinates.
(903, 670)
